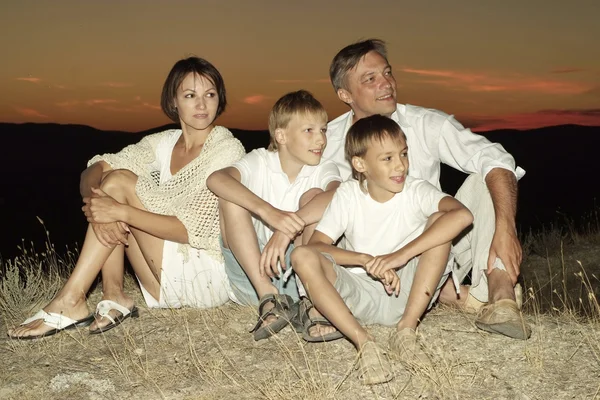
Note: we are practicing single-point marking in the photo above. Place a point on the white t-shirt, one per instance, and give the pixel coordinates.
(433, 137)
(261, 172)
(379, 228)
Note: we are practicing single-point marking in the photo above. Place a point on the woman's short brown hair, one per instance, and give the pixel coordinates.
(178, 73)
(363, 133)
(349, 57)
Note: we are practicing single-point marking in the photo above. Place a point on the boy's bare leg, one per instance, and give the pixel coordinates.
(238, 235)
(317, 330)
(318, 276)
(430, 269)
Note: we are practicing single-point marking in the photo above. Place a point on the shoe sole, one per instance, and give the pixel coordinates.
(507, 329)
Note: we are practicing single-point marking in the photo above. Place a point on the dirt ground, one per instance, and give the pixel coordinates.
(208, 354)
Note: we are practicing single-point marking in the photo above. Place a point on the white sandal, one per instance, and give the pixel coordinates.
(57, 321)
(103, 310)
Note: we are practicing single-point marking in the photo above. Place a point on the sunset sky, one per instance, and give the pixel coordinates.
(493, 64)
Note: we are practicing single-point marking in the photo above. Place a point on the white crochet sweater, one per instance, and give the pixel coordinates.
(185, 195)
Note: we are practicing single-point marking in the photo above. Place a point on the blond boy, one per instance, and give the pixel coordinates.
(398, 232)
(270, 198)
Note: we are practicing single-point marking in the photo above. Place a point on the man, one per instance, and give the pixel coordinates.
(363, 79)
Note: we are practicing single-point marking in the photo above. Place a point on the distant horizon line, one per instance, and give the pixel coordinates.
(174, 125)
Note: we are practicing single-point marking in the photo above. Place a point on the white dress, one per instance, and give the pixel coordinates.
(200, 281)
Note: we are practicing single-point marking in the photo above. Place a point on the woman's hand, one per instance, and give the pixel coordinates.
(102, 209)
(111, 234)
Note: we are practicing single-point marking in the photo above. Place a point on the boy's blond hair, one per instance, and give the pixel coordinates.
(363, 133)
(301, 102)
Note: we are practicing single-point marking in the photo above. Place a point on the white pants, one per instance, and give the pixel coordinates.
(471, 251)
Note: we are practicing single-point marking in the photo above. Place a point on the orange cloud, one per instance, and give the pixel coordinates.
(117, 84)
(481, 82)
(255, 99)
(567, 70)
(151, 106)
(94, 102)
(323, 80)
(590, 117)
(29, 79)
(30, 112)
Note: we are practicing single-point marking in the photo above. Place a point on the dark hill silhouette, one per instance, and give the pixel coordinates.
(42, 164)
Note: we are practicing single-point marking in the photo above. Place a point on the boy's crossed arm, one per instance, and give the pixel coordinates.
(226, 184)
(310, 213)
(343, 257)
(452, 219)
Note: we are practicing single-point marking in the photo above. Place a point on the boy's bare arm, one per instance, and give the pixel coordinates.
(312, 211)
(453, 220)
(324, 244)
(226, 183)
(342, 257)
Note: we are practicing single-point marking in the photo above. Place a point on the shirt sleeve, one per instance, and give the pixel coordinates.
(464, 150)
(246, 165)
(329, 172)
(335, 218)
(427, 197)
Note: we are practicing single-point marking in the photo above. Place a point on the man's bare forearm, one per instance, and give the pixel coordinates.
(502, 185)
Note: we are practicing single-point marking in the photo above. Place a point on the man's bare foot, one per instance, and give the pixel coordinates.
(73, 309)
(119, 298)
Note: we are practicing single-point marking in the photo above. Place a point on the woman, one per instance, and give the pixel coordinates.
(150, 202)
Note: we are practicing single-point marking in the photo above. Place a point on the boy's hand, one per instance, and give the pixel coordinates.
(273, 251)
(379, 265)
(391, 283)
(286, 222)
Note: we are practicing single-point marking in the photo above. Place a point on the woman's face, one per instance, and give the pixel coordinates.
(197, 102)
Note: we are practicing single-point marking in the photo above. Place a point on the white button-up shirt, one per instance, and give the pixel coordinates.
(433, 137)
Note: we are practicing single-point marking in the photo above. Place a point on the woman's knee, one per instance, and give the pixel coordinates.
(119, 180)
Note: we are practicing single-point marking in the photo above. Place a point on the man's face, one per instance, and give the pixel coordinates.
(371, 87)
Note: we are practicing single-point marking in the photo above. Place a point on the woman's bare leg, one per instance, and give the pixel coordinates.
(144, 251)
(70, 300)
(94, 257)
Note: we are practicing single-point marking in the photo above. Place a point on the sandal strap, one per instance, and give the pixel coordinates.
(54, 320)
(281, 307)
(105, 306)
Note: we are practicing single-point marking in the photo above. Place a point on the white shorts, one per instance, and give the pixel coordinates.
(367, 299)
(198, 282)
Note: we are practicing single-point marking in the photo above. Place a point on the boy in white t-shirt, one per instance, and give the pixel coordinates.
(270, 198)
(399, 230)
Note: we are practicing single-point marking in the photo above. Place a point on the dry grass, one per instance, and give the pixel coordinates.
(208, 354)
